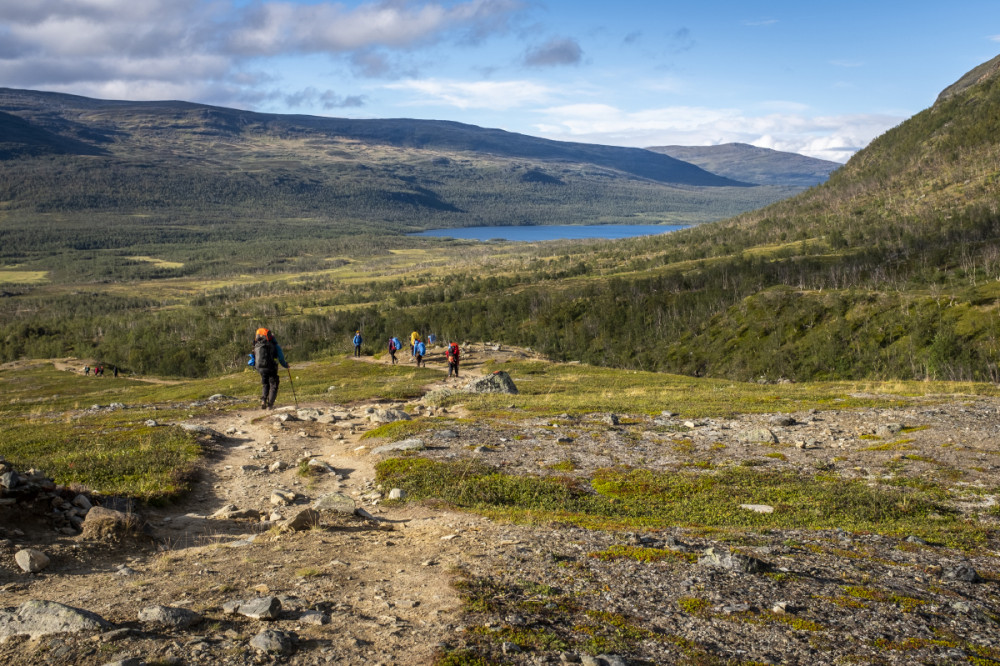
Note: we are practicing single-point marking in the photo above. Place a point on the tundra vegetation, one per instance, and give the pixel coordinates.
(876, 290)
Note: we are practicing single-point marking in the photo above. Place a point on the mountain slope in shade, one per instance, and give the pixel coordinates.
(751, 164)
(80, 117)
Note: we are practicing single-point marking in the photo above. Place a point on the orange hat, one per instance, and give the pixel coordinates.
(263, 331)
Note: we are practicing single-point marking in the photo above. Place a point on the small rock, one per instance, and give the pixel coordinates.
(388, 415)
(282, 497)
(261, 608)
(318, 465)
(272, 642)
(31, 560)
(758, 508)
(397, 494)
(303, 520)
(962, 572)
(731, 561)
(314, 617)
(179, 618)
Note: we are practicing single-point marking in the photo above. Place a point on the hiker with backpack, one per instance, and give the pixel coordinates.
(413, 343)
(266, 357)
(357, 344)
(453, 355)
(393, 346)
(419, 349)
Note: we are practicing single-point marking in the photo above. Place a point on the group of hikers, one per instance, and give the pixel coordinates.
(98, 370)
(267, 356)
(417, 351)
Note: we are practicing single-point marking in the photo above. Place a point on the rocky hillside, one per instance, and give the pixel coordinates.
(299, 541)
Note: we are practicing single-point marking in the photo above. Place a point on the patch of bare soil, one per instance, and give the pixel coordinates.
(383, 591)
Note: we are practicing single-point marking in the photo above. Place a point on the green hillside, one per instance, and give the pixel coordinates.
(891, 269)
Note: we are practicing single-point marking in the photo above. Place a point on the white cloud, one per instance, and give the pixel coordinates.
(828, 137)
(473, 94)
(283, 27)
(141, 49)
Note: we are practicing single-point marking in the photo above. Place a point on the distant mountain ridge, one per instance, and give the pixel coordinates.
(761, 166)
(172, 162)
(85, 120)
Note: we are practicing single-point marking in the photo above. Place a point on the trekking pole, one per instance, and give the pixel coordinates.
(292, 384)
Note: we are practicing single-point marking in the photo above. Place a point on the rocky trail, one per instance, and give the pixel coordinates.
(261, 563)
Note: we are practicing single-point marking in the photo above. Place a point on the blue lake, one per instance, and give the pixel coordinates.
(543, 232)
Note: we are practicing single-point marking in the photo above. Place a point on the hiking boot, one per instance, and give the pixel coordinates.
(263, 404)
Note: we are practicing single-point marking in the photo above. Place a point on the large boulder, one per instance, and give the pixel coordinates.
(41, 618)
(109, 525)
(497, 382)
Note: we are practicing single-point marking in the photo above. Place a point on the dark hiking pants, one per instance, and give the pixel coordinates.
(269, 388)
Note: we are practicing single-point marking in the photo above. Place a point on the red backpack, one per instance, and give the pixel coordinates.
(453, 350)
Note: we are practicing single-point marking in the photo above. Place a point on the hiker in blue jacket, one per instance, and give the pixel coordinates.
(357, 343)
(419, 349)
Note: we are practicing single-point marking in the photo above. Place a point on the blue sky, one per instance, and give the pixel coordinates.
(821, 79)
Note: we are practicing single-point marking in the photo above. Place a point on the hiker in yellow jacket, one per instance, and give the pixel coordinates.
(413, 343)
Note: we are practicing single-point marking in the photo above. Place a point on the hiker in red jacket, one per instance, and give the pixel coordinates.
(453, 354)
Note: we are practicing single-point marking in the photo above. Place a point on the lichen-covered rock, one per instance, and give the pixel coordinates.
(41, 618)
(107, 524)
(496, 382)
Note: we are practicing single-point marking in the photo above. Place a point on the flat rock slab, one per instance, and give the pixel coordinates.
(757, 436)
(403, 445)
(758, 508)
(41, 618)
(335, 503)
(261, 608)
(170, 616)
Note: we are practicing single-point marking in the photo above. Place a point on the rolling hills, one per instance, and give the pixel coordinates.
(756, 165)
(113, 174)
